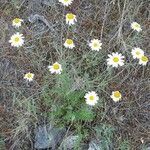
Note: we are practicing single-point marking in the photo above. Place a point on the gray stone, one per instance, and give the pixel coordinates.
(33, 18)
(148, 148)
(69, 142)
(94, 145)
(40, 24)
(100, 145)
(48, 137)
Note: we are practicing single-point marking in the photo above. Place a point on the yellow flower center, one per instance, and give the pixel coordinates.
(144, 58)
(29, 75)
(115, 59)
(56, 66)
(69, 41)
(66, 0)
(137, 26)
(70, 16)
(17, 20)
(117, 94)
(17, 39)
(137, 53)
(95, 45)
(91, 98)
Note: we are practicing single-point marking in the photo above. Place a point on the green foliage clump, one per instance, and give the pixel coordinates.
(124, 145)
(68, 105)
(105, 133)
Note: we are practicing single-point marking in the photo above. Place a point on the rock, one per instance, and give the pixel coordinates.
(69, 142)
(100, 145)
(48, 137)
(148, 148)
(40, 24)
(94, 145)
(33, 18)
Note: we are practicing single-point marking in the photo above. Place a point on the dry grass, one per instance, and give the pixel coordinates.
(24, 105)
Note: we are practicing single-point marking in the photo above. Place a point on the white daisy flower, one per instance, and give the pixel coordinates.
(17, 22)
(135, 26)
(95, 44)
(116, 96)
(143, 60)
(137, 53)
(29, 76)
(66, 2)
(115, 60)
(69, 44)
(55, 68)
(91, 98)
(70, 19)
(17, 40)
